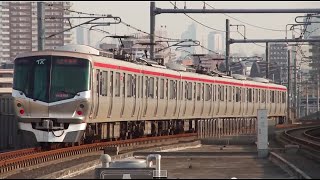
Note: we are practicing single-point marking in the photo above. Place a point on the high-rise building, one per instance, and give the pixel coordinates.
(190, 33)
(216, 42)
(278, 53)
(82, 36)
(19, 27)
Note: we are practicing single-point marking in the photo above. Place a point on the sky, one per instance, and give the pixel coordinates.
(137, 14)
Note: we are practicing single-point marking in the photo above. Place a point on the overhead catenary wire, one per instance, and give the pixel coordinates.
(129, 26)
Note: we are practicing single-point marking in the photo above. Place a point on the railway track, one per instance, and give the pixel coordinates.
(20, 160)
(303, 136)
(19, 153)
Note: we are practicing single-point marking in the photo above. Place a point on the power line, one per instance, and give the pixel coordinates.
(246, 22)
(198, 21)
(128, 25)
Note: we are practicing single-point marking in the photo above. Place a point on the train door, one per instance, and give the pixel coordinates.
(144, 96)
(172, 99)
(215, 94)
(161, 99)
(95, 95)
(189, 102)
(140, 97)
(206, 110)
(116, 100)
(198, 100)
(128, 96)
(110, 94)
(166, 97)
(237, 101)
(244, 102)
(103, 95)
(135, 92)
(183, 99)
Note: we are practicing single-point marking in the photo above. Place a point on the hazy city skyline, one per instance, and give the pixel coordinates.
(137, 14)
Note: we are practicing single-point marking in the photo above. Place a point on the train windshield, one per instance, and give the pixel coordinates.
(51, 78)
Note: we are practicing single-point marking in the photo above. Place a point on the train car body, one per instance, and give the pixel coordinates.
(73, 92)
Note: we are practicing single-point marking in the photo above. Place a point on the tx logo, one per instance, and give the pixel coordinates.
(41, 61)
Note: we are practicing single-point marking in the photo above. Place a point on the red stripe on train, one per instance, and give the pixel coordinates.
(110, 66)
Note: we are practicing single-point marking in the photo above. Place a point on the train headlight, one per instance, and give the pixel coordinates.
(21, 111)
(79, 113)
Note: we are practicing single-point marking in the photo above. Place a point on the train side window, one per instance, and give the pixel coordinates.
(151, 87)
(111, 83)
(202, 91)
(243, 94)
(124, 84)
(257, 95)
(103, 83)
(222, 90)
(230, 94)
(219, 92)
(263, 96)
(208, 92)
(272, 96)
(117, 85)
(238, 95)
(189, 88)
(214, 92)
(167, 89)
(130, 85)
(195, 91)
(173, 89)
(161, 88)
(156, 86)
(283, 97)
(181, 89)
(198, 91)
(249, 95)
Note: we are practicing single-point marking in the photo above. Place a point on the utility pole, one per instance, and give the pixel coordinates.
(267, 60)
(41, 26)
(227, 46)
(288, 93)
(152, 28)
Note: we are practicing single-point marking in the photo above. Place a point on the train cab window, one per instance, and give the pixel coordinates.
(161, 89)
(151, 87)
(208, 92)
(117, 85)
(103, 83)
(249, 95)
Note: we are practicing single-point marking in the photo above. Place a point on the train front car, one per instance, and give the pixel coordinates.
(51, 93)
